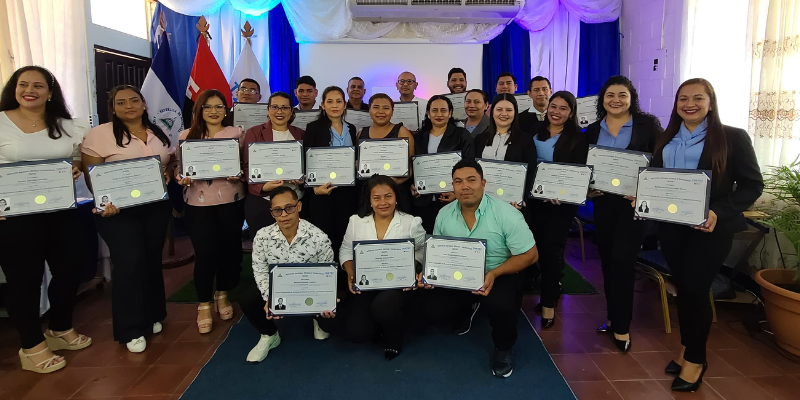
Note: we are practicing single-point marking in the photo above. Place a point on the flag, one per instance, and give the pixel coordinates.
(206, 74)
(160, 92)
(247, 67)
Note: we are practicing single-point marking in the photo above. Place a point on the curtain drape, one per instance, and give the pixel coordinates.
(555, 50)
(284, 53)
(508, 52)
(599, 56)
(774, 38)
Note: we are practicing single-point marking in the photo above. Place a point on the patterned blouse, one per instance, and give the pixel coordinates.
(310, 245)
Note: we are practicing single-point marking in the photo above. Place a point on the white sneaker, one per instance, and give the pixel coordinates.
(265, 344)
(157, 327)
(137, 345)
(319, 334)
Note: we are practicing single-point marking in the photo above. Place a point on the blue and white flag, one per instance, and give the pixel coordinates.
(160, 91)
(247, 67)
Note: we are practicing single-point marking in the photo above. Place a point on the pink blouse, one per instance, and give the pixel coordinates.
(100, 142)
(216, 191)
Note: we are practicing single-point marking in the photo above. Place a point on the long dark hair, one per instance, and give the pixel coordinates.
(515, 130)
(427, 124)
(199, 128)
(323, 116)
(121, 131)
(635, 109)
(715, 142)
(287, 97)
(569, 136)
(55, 109)
(365, 206)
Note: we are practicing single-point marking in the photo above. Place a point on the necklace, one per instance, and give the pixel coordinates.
(33, 121)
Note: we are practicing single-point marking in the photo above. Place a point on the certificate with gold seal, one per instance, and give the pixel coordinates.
(433, 173)
(275, 161)
(455, 263)
(336, 165)
(505, 180)
(679, 196)
(302, 289)
(382, 156)
(384, 264)
(567, 183)
(616, 170)
(128, 183)
(210, 158)
(32, 187)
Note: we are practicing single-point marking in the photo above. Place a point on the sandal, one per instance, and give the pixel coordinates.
(204, 325)
(44, 367)
(57, 342)
(225, 313)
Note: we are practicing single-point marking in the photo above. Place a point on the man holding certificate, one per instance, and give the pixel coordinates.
(510, 248)
(289, 240)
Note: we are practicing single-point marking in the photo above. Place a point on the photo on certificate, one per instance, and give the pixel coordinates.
(33, 187)
(567, 183)
(331, 164)
(433, 172)
(207, 159)
(586, 110)
(679, 196)
(275, 161)
(505, 180)
(302, 289)
(383, 156)
(616, 171)
(128, 183)
(384, 264)
(455, 263)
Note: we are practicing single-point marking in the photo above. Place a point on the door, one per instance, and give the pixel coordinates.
(113, 68)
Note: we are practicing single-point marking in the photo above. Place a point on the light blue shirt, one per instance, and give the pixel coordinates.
(497, 222)
(471, 128)
(545, 150)
(623, 138)
(338, 140)
(685, 148)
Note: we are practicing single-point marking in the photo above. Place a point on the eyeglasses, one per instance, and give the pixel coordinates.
(209, 107)
(402, 82)
(246, 90)
(277, 212)
(279, 108)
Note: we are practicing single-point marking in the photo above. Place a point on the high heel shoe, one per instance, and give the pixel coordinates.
(680, 385)
(548, 323)
(225, 313)
(57, 342)
(43, 367)
(605, 328)
(622, 345)
(206, 324)
(673, 368)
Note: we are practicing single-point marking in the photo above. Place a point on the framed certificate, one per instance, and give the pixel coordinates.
(32, 187)
(302, 289)
(524, 101)
(505, 180)
(336, 165)
(407, 113)
(433, 173)
(275, 161)
(455, 263)
(679, 196)
(128, 183)
(210, 158)
(303, 118)
(360, 119)
(616, 170)
(247, 116)
(586, 111)
(382, 156)
(458, 99)
(567, 183)
(384, 264)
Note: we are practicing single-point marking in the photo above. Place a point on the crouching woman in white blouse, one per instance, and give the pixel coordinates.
(373, 313)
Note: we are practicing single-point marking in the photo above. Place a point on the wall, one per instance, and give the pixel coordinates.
(380, 64)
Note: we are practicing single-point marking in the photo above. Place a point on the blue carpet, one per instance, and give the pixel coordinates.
(435, 364)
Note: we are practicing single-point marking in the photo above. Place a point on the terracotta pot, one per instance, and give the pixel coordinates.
(782, 306)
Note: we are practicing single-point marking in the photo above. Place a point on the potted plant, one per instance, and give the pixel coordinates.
(780, 288)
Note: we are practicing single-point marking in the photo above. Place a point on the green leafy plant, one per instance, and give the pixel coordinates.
(784, 184)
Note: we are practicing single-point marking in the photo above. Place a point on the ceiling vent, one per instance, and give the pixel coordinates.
(449, 11)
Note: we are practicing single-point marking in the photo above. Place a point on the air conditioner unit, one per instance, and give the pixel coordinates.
(451, 11)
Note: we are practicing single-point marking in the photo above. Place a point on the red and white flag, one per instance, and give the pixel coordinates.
(206, 74)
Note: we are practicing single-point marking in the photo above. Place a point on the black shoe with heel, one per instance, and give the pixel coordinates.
(622, 345)
(673, 368)
(605, 328)
(680, 385)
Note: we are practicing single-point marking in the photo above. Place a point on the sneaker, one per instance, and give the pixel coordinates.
(503, 363)
(265, 344)
(137, 345)
(319, 334)
(157, 328)
(466, 324)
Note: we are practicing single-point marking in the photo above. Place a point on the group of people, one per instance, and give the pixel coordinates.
(291, 223)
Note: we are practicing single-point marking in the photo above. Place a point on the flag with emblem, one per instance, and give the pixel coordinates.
(247, 66)
(160, 91)
(206, 73)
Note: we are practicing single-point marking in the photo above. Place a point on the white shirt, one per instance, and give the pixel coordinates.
(310, 245)
(403, 226)
(540, 115)
(422, 105)
(433, 143)
(497, 150)
(16, 145)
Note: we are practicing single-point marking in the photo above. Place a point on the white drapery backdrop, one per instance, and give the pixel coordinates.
(225, 26)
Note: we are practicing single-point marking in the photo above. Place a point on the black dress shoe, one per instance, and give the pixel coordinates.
(680, 385)
(622, 345)
(390, 354)
(503, 363)
(548, 323)
(604, 329)
(673, 368)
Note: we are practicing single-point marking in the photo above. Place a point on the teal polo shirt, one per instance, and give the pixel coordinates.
(499, 223)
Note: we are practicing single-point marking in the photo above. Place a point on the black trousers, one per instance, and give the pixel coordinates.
(135, 239)
(26, 242)
(257, 213)
(502, 306)
(694, 258)
(253, 308)
(216, 237)
(619, 238)
(363, 316)
(550, 226)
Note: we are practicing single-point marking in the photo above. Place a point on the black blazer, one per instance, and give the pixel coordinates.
(643, 133)
(317, 135)
(523, 150)
(739, 188)
(454, 139)
(528, 121)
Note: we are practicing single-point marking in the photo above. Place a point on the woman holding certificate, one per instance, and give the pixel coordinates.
(370, 312)
(135, 236)
(36, 125)
(559, 140)
(620, 124)
(696, 139)
(438, 134)
(214, 215)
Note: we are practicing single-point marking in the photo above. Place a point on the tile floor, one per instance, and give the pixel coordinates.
(740, 367)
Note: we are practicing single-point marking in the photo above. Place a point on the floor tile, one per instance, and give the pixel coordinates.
(655, 362)
(619, 366)
(111, 381)
(182, 312)
(749, 363)
(577, 322)
(187, 381)
(594, 342)
(705, 392)
(173, 330)
(638, 390)
(159, 380)
(184, 353)
(100, 333)
(740, 388)
(780, 387)
(61, 384)
(96, 355)
(145, 358)
(602, 390)
(718, 339)
(561, 342)
(719, 368)
(15, 384)
(578, 367)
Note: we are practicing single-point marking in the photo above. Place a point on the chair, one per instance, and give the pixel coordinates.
(585, 216)
(655, 267)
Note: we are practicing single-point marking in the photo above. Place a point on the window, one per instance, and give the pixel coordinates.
(126, 16)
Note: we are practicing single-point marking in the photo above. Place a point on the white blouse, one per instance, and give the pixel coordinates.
(403, 226)
(16, 145)
(497, 150)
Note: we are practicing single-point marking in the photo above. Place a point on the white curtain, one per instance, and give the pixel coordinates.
(555, 50)
(537, 14)
(774, 38)
(225, 27)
